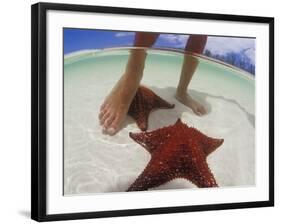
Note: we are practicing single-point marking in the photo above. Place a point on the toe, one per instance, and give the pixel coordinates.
(101, 114)
(202, 110)
(104, 117)
(103, 106)
(115, 125)
(111, 131)
(197, 112)
(108, 121)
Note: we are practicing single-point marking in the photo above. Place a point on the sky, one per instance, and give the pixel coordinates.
(83, 39)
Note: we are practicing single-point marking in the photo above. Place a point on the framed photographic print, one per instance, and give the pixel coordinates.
(139, 111)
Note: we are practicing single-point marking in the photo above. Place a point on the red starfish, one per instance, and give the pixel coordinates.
(177, 151)
(143, 103)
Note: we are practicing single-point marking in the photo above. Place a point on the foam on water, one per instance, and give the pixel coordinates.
(96, 163)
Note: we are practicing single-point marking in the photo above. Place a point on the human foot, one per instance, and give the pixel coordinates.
(188, 101)
(116, 105)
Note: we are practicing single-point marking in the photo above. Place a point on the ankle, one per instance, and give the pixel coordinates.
(181, 91)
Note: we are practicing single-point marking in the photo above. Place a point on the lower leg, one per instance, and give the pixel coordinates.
(189, 66)
(115, 107)
(196, 44)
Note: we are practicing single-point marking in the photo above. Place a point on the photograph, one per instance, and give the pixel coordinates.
(132, 105)
(149, 111)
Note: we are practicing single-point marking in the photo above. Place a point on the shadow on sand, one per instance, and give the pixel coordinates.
(201, 96)
(169, 116)
(168, 94)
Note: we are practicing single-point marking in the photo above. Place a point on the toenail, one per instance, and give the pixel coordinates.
(111, 130)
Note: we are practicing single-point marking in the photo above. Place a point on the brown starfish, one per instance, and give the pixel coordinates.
(143, 103)
(177, 151)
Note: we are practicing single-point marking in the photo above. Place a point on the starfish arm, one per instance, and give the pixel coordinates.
(160, 103)
(200, 174)
(151, 140)
(208, 144)
(153, 175)
(143, 140)
(143, 102)
(142, 120)
(211, 144)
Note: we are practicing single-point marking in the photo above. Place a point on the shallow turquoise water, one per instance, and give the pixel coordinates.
(163, 70)
(98, 163)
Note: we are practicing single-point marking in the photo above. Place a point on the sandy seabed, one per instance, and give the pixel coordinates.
(95, 163)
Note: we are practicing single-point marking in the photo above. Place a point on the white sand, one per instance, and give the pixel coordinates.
(95, 162)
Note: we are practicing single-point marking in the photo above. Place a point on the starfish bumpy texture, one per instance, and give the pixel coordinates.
(143, 103)
(177, 151)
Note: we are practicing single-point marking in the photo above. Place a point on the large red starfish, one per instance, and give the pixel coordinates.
(177, 151)
(143, 103)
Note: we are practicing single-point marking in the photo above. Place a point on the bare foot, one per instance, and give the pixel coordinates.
(116, 105)
(188, 101)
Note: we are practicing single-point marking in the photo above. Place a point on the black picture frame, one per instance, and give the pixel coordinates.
(39, 106)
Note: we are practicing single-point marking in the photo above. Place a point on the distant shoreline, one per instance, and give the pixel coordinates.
(178, 51)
